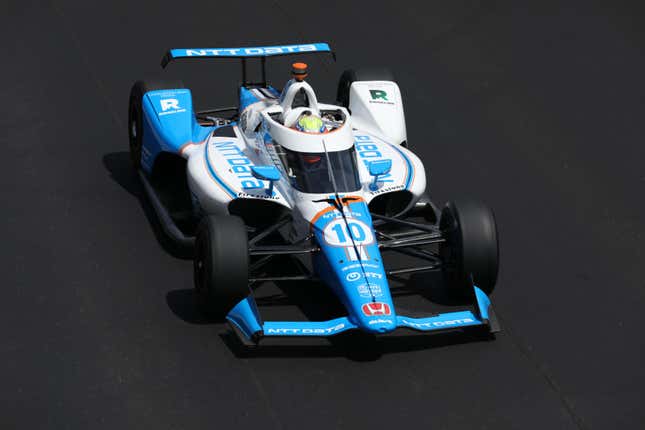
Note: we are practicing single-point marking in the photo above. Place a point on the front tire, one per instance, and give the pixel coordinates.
(135, 124)
(470, 248)
(220, 265)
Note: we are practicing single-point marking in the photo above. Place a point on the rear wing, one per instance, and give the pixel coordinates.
(261, 52)
(250, 52)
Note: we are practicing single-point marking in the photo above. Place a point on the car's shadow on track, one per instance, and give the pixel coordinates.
(182, 304)
(120, 169)
(355, 346)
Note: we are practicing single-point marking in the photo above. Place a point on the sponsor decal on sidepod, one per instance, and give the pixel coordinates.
(239, 164)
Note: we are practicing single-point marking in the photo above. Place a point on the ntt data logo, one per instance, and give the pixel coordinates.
(231, 52)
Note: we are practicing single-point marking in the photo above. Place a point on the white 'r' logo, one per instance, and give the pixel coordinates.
(169, 104)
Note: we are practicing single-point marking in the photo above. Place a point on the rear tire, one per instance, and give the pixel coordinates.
(470, 249)
(135, 114)
(350, 76)
(220, 265)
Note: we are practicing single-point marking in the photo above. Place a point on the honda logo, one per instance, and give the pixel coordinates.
(376, 308)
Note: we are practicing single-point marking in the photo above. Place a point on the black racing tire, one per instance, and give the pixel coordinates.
(349, 76)
(221, 264)
(135, 114)
(470, 248)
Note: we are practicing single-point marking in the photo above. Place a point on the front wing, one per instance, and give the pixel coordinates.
(246, 322)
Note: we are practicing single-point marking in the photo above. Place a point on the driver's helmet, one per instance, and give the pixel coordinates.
(310, 123)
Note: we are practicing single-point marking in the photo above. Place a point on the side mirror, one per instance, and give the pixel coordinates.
(379, 168)
(266, 173)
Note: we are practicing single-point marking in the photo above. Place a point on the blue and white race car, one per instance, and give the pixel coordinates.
(330, 186)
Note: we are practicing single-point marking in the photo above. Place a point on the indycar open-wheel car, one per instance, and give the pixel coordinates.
(330, 186)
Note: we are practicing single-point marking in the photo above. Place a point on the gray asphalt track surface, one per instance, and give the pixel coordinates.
(534, 107)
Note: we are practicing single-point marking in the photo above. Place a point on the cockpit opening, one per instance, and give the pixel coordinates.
(309, 172)
(331, 118)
